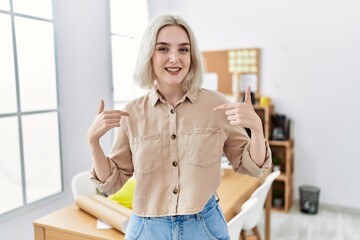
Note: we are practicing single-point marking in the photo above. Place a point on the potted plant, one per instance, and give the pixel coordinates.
(276, 163)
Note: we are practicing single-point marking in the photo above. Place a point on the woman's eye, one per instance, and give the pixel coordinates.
(163, 49)
(184, 50)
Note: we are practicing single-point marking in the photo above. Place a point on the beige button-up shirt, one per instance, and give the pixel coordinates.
(175, 153)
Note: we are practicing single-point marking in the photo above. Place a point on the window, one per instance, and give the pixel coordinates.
(128, 19)
(30, 164)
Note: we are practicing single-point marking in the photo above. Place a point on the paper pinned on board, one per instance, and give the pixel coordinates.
(210, 81)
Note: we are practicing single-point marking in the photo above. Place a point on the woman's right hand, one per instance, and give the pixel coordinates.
(104, 121)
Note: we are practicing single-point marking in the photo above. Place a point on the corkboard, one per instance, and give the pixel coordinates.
(217, 62)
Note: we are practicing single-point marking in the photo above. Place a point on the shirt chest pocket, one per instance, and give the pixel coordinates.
(203, 146)
(147, 153)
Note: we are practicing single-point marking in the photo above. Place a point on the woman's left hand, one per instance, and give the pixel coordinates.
(242, 113)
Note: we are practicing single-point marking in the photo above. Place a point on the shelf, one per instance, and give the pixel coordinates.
(279, 209)
(282, 177)
(265, 113)
(286, 143)
(283, 150)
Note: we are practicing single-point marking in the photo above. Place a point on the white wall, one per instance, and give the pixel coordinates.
(84, 78)
(310, 69)
(310, 51)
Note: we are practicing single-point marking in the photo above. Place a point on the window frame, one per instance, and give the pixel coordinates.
(136, 91)
(26, 205)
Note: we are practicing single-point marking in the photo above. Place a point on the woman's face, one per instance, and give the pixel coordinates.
(171, 58)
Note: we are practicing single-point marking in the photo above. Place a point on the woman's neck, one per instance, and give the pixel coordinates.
(171, 94)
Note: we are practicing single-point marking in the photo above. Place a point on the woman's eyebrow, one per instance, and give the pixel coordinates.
(163, 43)
(168, 44)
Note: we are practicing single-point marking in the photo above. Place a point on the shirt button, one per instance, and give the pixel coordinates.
(172, 111)
(173, 136)
(175, 191)
(174, 163)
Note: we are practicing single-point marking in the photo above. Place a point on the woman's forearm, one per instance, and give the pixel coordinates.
(258, 147)
(100, 162)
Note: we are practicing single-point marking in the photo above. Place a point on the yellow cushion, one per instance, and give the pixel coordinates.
(126, 194)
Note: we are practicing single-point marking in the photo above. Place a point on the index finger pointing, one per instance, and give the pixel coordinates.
(124, 113)
(224, 106)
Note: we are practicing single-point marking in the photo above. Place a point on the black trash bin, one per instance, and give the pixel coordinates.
(309, 199)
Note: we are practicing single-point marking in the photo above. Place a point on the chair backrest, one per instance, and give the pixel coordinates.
(81, 185)
(236, 223)
(260, 193)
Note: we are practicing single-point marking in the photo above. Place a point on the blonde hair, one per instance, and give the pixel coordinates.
(144, 73)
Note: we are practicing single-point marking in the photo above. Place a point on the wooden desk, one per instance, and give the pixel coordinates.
(72, 223)
(234, 190)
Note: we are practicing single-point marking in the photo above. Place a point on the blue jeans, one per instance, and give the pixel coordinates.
(206, 224)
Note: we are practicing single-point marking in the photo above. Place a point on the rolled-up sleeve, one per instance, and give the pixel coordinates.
(249, 166)
(111, 184)
(120, 162)
(237, 150)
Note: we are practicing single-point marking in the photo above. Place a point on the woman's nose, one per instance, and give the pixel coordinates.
(173, 57)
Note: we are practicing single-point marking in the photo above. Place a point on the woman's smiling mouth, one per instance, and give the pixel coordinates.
(173, 70)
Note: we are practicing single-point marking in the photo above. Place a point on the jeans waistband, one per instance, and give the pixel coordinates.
(177, 218)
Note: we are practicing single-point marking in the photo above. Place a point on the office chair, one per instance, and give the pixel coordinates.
(236, 223)
(81, 185)
(254, 216)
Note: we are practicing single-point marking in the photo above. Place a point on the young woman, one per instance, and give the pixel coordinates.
(172, 139)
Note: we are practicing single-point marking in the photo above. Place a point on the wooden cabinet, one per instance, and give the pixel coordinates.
(265, 113)
(282, 191)
(282, 151)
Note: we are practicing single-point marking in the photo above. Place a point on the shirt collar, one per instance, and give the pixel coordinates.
(154, 95)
